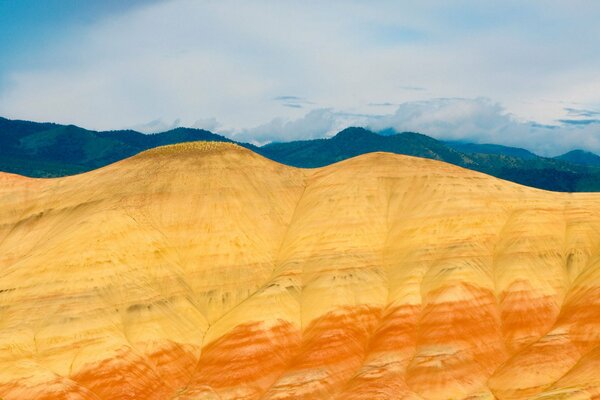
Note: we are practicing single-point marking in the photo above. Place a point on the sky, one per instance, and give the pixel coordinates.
(516, 73)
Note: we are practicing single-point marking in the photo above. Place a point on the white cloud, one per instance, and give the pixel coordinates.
(156, 126)
(475, 120)
(228, 61)
(209, 124)
(482, 121)
(451, 118)
(315, 124)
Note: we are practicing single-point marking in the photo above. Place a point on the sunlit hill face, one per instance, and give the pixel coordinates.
(206, 271)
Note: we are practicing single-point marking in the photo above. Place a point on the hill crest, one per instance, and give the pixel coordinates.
(164, 276)
(47, 150)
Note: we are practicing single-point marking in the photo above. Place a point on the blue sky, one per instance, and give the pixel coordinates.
(29, 27)
(511, 72)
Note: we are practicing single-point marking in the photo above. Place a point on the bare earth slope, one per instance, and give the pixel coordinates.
(204, 271)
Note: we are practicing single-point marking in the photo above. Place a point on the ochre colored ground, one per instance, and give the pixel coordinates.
(204, 271)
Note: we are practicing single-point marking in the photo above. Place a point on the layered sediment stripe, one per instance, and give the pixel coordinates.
(39, 383)
(244, 362)
(459, 343)
(123, 376)
(203, 271)
(332, 350)
(390, 349)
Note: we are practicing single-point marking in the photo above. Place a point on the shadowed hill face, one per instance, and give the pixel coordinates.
(580, 157)
(204, 271)
(352, 142)
(491, 149)
(49, 150)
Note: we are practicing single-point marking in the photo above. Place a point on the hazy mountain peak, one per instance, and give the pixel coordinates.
(580, 157)
(353, 132)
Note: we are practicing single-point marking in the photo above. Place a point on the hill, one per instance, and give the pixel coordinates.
(580, 157)
(491, 149)
(51, 150)
(354, 141)
(205, 271)
(499, 161)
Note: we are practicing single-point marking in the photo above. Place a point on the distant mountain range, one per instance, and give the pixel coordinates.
(51, 150)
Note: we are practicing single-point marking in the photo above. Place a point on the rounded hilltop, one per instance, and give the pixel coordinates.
(193, 147)
(385, 164)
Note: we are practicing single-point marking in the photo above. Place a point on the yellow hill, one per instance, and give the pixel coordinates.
(204, 271)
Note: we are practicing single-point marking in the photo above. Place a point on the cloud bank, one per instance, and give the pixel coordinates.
(478, 120)
(311, 68)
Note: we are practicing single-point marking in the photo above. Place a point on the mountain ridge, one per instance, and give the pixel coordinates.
(46, 149)
(581, 157)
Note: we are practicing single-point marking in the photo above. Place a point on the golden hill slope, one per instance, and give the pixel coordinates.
(204, 271)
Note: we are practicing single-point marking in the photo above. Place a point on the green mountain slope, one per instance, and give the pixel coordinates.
(580, 157)
(355, 141)
(491, 149)
(48, 150)
(499, 161)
